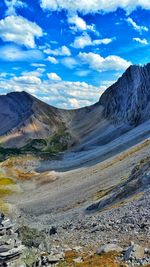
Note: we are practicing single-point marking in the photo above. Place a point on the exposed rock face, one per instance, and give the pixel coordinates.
(138, 181)
(128, 100)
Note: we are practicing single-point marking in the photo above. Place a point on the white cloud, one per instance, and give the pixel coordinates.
(38, 65)
(52, 60)
(61, 51)
(99, 63)
(27, 79)
(79, 24)
(137, 27)
(102, 41)
(19, 30)
(69, 62)
(94, 6)
(12, 5)
(63, 94)
(85, 40)
(37, 73)
(30, 77)
(141, 41)
(13, 53)
(82, 41)
(53, 76)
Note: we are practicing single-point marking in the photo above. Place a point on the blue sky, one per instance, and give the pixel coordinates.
(68, 52)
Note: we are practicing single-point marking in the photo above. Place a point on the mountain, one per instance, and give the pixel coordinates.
(128, 100)
(23, 117)
(97, 188)
(26, 121)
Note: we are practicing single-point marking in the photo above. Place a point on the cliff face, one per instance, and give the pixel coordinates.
(128, 100)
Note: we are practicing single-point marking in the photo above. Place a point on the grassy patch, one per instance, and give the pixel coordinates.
(102, 193)
(6, 181)
(24, 176)
(55, 143)
(31, 237)
(5, 186)
(124, 155)
(104, 260)
(6, 189)
(4, 207)
(6, 152)
(30, 257)
(58, 142)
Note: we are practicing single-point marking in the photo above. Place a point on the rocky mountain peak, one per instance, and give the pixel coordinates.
(128, 100)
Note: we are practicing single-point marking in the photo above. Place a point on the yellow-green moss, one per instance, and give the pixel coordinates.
(4, 207)
(6, 181)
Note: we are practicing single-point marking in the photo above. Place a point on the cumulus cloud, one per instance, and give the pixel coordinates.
(141, 41)
(93, 6)
(12, 5)
(27, 79)
(19, 30)
(53, 76)
(85, 40)
(52, 60)
(63, 94)
(61, 51)
(37, 72)
(99, 63)
(14, 53)
(79, 24)
(136, 27)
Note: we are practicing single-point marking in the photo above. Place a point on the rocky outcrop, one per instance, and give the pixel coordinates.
(138, 181)
(128, 100)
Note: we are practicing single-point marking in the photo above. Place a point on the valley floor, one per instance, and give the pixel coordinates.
(59, 199)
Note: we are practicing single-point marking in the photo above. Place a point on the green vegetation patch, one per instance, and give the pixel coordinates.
(57, 142)
(31, 237)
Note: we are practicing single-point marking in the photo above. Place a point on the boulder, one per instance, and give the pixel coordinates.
(78, 260)
(53, 230)
(109, 247)
(134, 252)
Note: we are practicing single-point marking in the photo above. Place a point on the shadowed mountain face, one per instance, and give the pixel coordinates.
(122, 106)
(14, 109)
(128, 100)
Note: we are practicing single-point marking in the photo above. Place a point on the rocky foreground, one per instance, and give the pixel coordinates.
(113, 232)
(118, 237)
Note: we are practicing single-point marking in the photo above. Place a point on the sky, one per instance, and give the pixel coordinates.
(67, 52)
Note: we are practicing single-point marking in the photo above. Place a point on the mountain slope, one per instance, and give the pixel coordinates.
(23, 117)
(120, 109)
(128, 100)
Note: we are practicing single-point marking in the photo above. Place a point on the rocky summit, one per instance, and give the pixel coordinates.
(75, 184)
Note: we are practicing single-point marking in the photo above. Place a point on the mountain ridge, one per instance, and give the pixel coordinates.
(123, 106)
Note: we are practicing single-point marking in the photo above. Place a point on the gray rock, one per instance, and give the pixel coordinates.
(78, 260)
(134, 252)
(108, 248)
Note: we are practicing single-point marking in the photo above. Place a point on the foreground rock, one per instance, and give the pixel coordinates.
(137, 255)
(109, 247)
(10, 246)
(14, 253)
